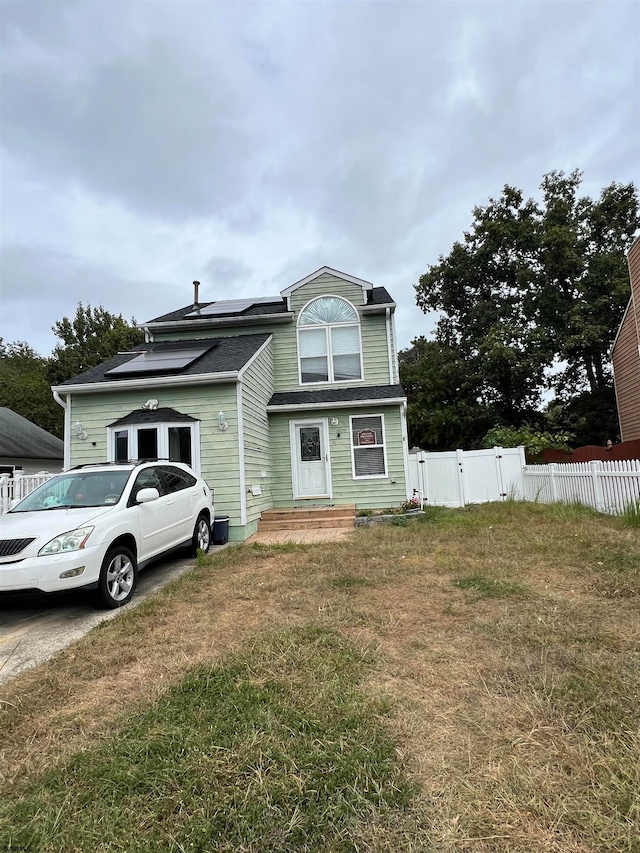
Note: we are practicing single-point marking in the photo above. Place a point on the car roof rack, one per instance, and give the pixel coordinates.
(134, 462)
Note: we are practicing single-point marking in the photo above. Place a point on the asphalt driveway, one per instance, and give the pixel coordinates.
(34, 627)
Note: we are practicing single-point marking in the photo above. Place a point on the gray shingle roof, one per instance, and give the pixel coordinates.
(20, 438)
(225, 355)
(376, 296)
(153, 416)
(379, 296)
(337, 395)
(277, 307)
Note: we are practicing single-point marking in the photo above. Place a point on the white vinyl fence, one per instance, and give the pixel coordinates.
(459, 477)
(606, 486)
(18, 486)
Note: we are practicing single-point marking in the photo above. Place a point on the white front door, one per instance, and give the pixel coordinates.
(310, 459)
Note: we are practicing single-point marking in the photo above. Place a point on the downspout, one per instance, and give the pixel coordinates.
(405, 447)
(389, 355)
(148, 337)
(67, 428)
(243, 478)
(395, 346)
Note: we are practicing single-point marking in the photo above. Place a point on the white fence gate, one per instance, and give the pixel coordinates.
(606, 486)
(17, 487)
(459, 477)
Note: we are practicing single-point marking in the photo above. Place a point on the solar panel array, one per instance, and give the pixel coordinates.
(161, 360)
(231, 306)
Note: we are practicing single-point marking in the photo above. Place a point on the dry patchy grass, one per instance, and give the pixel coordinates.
(506, 642)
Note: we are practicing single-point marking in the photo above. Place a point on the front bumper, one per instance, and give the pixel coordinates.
(43, 573)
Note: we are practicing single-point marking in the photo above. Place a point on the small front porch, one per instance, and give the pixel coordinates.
(304, 525)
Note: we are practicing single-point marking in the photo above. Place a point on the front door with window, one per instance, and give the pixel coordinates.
(310, 459)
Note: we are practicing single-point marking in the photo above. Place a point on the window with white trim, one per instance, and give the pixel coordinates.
(177, 442)
(329, 347)
(368, 453)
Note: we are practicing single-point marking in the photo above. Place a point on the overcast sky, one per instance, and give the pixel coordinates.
(246, 144)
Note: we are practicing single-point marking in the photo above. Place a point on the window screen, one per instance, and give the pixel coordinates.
(122, 445)
(180, 444)
(367, 442)
(148, 443)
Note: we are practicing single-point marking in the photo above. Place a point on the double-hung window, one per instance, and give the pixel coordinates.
(329, 341)
(368, 453)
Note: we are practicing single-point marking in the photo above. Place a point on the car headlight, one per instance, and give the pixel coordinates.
(74, 540)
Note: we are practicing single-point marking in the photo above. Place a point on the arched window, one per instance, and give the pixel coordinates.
(329, 341)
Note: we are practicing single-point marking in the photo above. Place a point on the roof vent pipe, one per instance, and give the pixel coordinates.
(196, 285)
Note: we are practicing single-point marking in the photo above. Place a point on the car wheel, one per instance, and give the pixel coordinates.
(118, 577)
(201, 535)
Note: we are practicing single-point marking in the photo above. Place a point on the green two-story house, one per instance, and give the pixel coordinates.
(281, 401)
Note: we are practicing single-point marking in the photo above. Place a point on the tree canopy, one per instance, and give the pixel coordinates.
(25, 387)
(91, 337)
(530, 300)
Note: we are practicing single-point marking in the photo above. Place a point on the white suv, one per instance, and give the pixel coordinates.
(96, 525)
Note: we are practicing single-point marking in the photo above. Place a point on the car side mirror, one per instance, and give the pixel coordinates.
(144, 496)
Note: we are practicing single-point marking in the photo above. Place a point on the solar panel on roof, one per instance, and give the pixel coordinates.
(231, 306)
(160, 360)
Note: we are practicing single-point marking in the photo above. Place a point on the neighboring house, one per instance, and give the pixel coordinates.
(626, 355)
(25, 446)
(284, 401)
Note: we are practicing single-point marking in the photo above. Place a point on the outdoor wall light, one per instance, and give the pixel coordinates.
(223, 426)
(80, 431)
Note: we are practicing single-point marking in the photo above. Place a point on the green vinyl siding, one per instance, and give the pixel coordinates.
(375, 493)
(375, 355)
(219, 458)
(326, 285)
(373, 335)
(373, 332)
(257, 387)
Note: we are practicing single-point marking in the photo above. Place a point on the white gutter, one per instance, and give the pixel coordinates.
(342, 404)
(66, 462)
(148, 382)
(389, 353)
(405, 447)
(243, 477)
(377, 309)
(220, 322)
(395, 346)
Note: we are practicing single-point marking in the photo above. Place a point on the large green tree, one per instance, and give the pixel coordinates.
(442, 395)
(91, 337)
(24, 386)
(531, 299)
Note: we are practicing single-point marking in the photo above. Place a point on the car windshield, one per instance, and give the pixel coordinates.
(76, 489)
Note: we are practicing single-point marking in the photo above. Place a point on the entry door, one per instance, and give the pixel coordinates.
(310, 459)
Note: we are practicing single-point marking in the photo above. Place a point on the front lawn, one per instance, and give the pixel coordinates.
(468, 682)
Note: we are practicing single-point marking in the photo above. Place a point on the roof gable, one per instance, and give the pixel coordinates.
(365, 285)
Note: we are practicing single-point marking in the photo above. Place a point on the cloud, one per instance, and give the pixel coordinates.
(146, 145)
